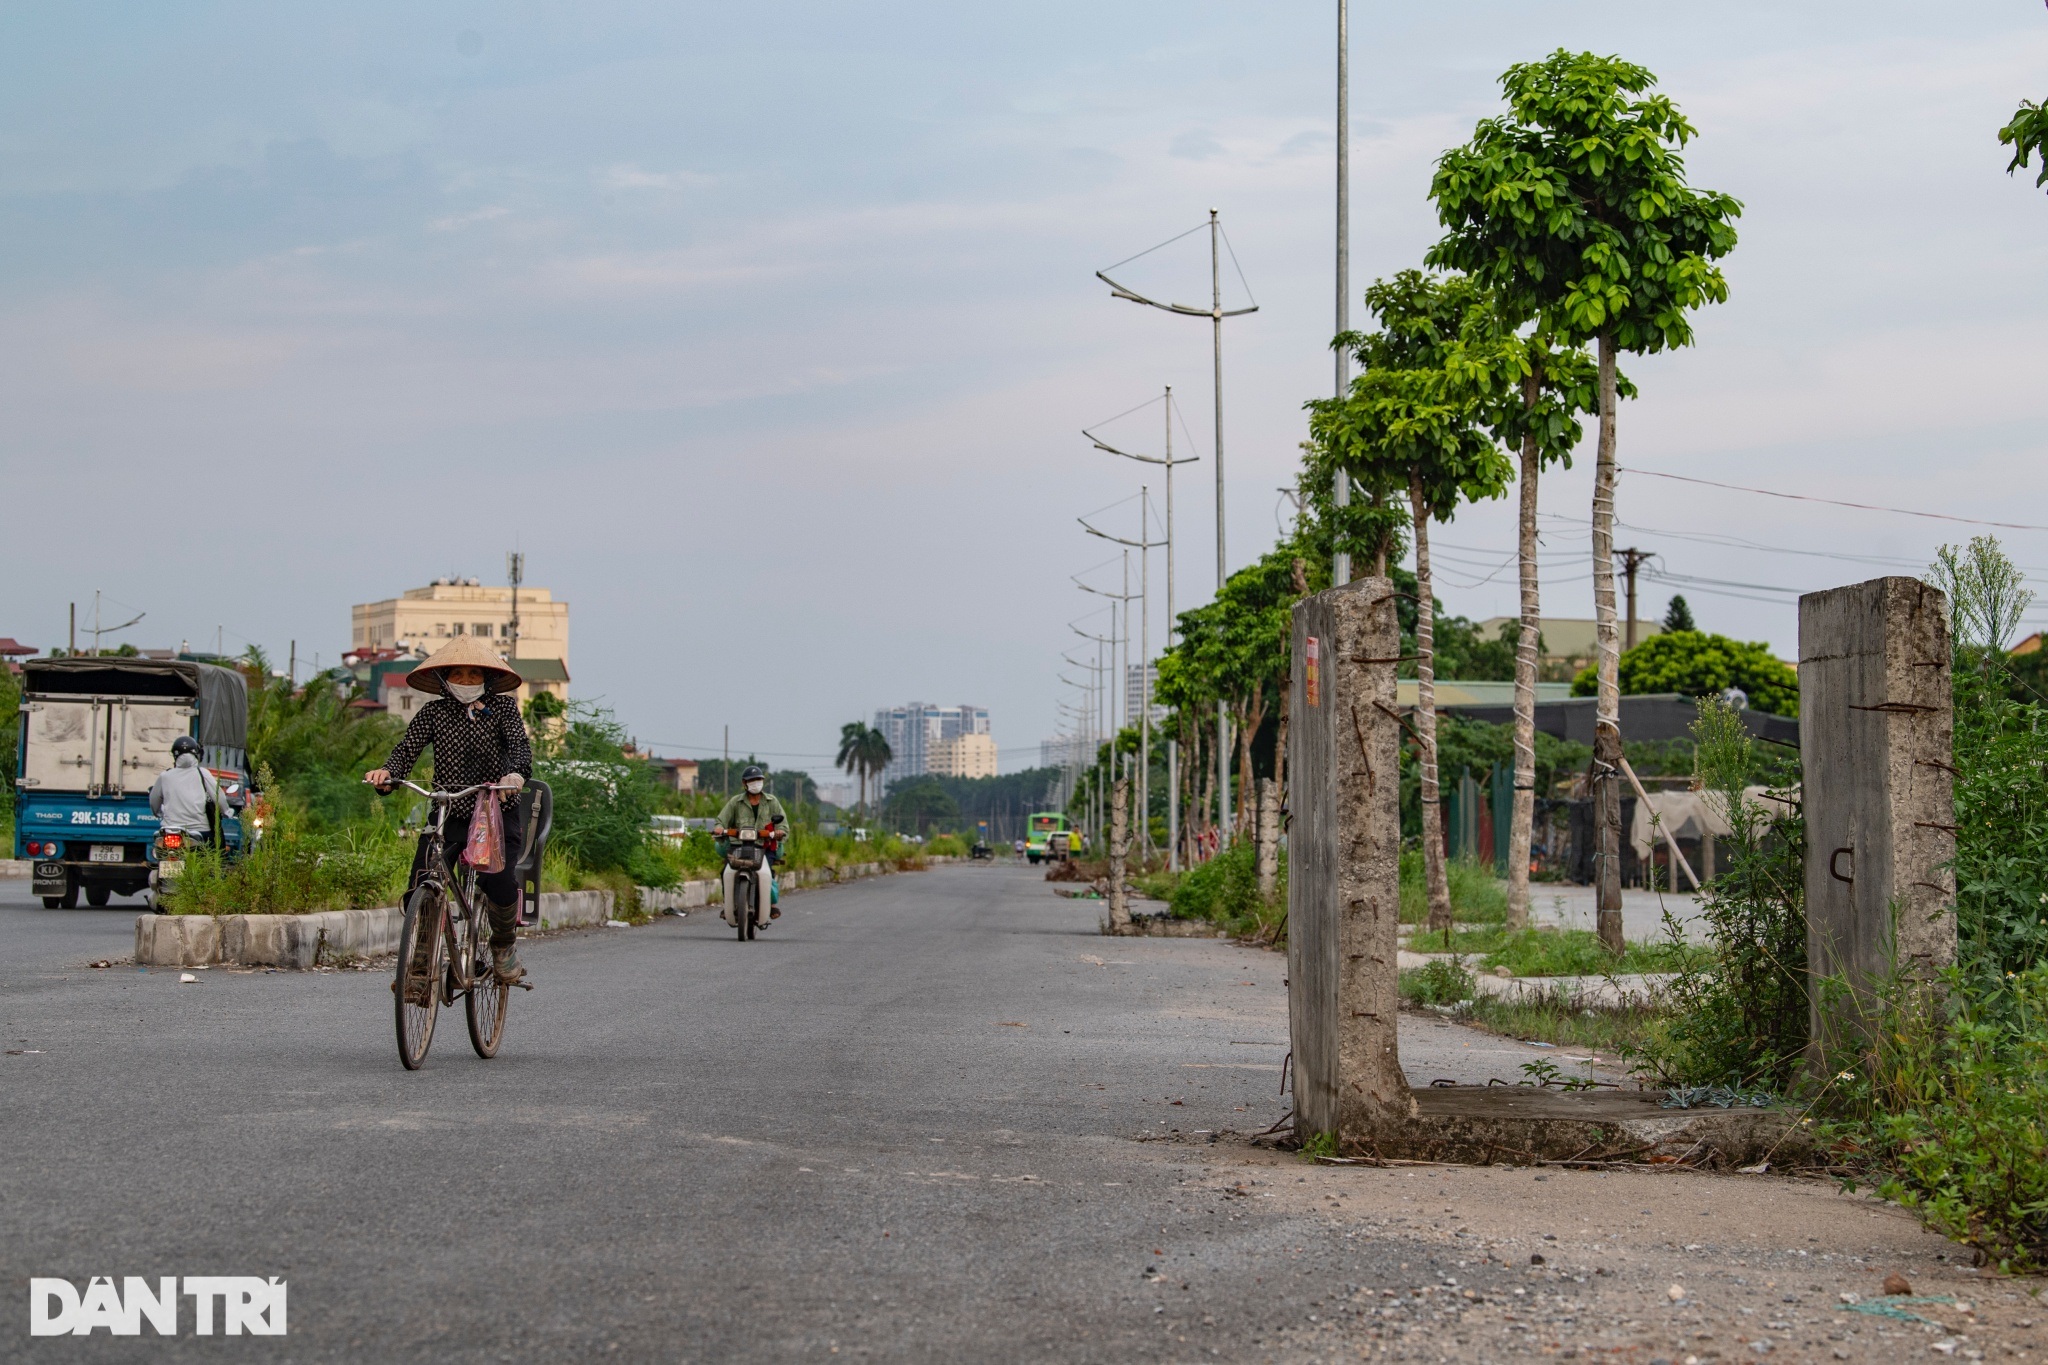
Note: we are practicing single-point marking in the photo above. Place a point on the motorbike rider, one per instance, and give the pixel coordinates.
(185, 794)
(475, 730)
(754, 808)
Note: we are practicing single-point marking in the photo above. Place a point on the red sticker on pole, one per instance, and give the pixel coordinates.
(1312, 673)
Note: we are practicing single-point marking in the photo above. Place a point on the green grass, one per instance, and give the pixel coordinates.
(1557, 1015)
(1477, 896)
(1553, 952)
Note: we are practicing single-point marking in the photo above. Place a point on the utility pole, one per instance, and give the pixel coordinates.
(1340, 567)
(515, 573)
(1631, 559)
(725, 770)
(292, 669)
(1215, 312)
(1144, 547)
(1172, 749)
(72, 648)
(1222, 715)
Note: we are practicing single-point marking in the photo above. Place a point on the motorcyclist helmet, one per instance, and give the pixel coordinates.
(184, 744)
(753, 779)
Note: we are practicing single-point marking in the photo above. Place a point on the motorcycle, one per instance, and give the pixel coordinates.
(746, 872)
(167, 853)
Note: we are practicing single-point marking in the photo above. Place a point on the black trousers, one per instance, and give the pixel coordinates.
(501, 889)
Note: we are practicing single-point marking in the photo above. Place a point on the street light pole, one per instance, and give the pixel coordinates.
(1144, 547)
(1172, 749)
(1340, 567)
(1215, 312)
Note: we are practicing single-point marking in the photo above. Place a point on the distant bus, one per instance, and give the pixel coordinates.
(1038, 834)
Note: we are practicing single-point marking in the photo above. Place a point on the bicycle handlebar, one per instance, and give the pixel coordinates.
(449, 796)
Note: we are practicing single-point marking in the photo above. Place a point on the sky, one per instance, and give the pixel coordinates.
(768, 332)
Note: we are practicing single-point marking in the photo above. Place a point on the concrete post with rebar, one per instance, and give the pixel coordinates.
(1343, 872)
(1876, 731)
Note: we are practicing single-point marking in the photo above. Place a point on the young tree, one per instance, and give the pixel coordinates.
(2026, 135)
(1574, 209)
(1532, 393)
(1678, 616)
(1409, 423)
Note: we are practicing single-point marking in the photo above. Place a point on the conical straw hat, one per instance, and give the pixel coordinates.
(464, 651)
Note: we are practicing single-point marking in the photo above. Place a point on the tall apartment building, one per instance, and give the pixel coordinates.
(914, 728)
(420, 620)
(1140, 683)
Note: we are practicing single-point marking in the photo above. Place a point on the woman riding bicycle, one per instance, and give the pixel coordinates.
(474, 729)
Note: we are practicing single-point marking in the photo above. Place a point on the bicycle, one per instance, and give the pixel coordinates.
(457, 961)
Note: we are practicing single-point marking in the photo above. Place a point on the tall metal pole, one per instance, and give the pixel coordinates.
(1340, 567)
(1145, 675)
(1222, 714)
(1172, 746)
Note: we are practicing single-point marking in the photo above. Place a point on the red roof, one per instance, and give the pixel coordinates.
(10, 645)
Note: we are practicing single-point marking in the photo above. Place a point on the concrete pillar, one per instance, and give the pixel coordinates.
(1269, 837)
(1876, 751)
(1343, 868)
(1119, 838)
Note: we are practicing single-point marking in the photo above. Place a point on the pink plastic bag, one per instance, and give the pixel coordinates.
(485, 850)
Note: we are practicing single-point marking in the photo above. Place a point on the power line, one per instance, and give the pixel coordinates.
(1835, 502)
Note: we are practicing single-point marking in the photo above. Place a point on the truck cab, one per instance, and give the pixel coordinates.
(94, 734)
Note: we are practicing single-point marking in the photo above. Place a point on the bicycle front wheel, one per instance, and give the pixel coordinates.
(487, 1000)
(416, 986)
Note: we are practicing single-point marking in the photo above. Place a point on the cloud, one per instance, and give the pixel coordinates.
(457, 221)
(629, 177)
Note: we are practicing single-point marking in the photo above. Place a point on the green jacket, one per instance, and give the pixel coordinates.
(739, 814)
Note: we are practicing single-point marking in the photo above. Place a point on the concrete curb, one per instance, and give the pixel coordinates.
(16, 867)
(299, 940)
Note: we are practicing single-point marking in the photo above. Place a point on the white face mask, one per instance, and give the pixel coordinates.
(466, 692)
(754, 788)
(188, 760)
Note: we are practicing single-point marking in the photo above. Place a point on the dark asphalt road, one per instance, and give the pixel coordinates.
(906, 1124)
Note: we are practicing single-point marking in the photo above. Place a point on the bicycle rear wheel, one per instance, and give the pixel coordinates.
(488, 997)
(416, 993)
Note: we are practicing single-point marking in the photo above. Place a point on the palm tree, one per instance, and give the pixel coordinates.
(852, 760)
(875, 756)
(863, 752)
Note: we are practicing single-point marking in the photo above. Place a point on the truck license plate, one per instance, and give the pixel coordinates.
(109, 853)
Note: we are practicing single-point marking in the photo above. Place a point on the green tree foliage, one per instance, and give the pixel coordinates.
(603, 799)
(1695, 664)
(1987, 597)
(919, 805)
(10, 707)
(1003, 800)
(316, 741)
(2027, 134)
(1678, 616)
(1573, 207)
(2001, 796)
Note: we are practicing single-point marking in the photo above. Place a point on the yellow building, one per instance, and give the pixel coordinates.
(1569, 643)
(962, 756)
(532, 634)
